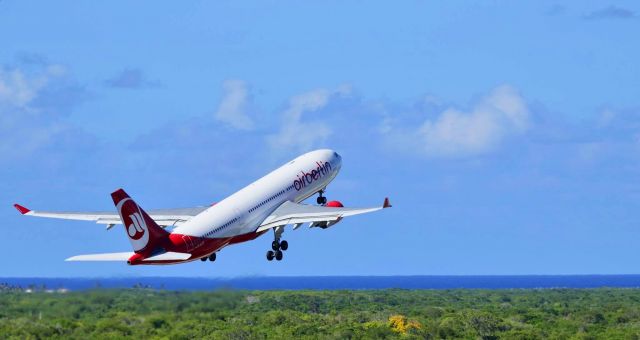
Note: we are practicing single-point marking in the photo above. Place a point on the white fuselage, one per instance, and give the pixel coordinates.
(245, 210)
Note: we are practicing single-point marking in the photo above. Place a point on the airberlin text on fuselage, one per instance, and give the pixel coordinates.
(306, 178)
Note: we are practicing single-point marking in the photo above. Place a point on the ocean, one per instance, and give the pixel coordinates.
(331, 282)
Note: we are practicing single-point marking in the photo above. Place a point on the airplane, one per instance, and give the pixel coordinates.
(170, 236)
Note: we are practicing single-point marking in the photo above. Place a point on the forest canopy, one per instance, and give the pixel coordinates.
(404, 314)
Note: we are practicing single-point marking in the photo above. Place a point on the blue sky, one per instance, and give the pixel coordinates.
(507, 134)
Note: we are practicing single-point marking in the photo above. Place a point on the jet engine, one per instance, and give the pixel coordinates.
(327, 224)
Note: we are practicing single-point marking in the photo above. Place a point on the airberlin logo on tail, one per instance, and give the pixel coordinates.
(306, 178)
(134, 223)
(137, 228)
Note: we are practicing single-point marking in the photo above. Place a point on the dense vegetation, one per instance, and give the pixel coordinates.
(430, 314)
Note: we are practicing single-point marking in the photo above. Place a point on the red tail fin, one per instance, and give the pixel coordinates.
(143, 232)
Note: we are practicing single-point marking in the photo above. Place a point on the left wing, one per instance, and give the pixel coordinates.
(323, 216)
(163, 217)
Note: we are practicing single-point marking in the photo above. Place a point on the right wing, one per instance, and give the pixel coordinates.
(163, 217)
(298, 214)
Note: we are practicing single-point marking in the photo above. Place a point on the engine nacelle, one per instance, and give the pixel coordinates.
(330, 204)
(334, 204)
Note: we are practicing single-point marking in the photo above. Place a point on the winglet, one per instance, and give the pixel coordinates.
(21, 209)
(386, 203)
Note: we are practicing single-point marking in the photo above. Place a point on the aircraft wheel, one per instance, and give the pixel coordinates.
(212, 257)
(270, 255)
(284, 245)
(278, 255)
(275, 245)
(203, 259)
(321, 200)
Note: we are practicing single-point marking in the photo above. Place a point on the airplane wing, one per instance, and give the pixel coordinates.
(163, 217)
(320, 216)
(124, 256)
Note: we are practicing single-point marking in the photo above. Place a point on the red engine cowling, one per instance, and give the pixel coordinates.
(332, 204)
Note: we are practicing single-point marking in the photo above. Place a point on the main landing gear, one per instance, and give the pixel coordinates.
(321, 200)
(277, 246)
(211, 258)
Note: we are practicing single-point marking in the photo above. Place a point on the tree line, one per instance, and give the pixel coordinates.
(361, 314)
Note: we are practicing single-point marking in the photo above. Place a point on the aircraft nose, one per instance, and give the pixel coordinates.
(337, 158)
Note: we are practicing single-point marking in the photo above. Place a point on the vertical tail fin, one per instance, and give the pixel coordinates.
(143, 232)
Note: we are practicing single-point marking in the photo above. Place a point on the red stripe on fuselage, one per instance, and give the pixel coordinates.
(198, 246)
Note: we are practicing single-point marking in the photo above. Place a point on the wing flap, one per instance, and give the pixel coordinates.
(297, 221)
(162, 221)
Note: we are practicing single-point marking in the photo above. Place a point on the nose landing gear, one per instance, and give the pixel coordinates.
(321, 200)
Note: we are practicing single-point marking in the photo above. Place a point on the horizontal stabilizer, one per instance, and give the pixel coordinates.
(124, 256)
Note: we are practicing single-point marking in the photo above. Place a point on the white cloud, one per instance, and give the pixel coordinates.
(232, 109)
(299, 134)
(455, 133)
(17, 89)
(27, 122)
(500, 114)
